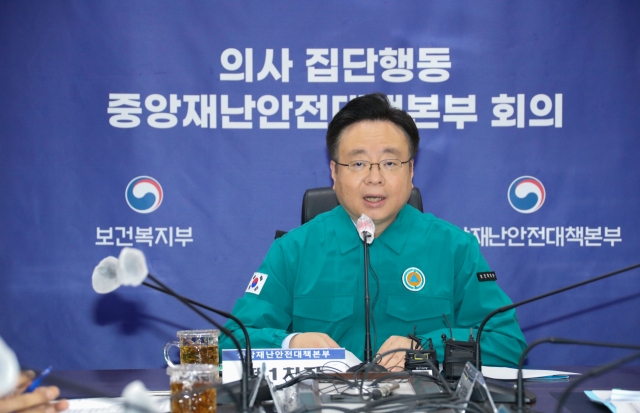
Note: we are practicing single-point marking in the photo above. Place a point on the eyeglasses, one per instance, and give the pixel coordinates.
(384, 166)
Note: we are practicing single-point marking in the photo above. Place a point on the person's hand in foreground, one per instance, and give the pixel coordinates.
(41, 400)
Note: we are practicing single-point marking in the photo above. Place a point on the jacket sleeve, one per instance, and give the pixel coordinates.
(502, 341)
(266, 315)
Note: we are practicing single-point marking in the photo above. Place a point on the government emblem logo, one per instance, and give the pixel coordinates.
(413, 279)
(144, 194)
(526, 194)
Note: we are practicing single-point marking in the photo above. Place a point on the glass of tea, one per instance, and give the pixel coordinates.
(192, 388)
(196, 347)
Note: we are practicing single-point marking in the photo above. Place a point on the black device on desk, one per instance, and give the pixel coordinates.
(420, 359)
(457, 353)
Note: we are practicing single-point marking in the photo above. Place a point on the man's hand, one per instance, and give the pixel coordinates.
(394, 361)
(311, 340)
(36, 402)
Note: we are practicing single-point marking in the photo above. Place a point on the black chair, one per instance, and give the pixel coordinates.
(318, 200)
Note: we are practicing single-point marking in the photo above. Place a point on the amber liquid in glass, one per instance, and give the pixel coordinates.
(199, 354)
(194, 400)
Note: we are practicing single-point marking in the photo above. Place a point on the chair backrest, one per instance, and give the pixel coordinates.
(318, 200)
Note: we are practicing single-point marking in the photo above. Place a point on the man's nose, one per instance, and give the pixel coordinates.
(375, 174)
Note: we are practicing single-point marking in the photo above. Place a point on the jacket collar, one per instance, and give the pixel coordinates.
(345, 230)
(395, 236)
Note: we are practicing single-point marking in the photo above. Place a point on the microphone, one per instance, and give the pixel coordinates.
(555, 340)
(536, 298)
(107, 277)
(366, 228)
(503, 393)
(261, 390)
(137, 399)
(593, 373)
(111, 273)
(131, 269)
(10, 369)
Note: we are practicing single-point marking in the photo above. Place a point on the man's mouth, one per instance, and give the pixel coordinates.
(373, 198)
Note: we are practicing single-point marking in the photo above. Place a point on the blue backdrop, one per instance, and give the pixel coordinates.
(528, 113)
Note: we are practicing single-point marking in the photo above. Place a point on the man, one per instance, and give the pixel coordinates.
(311, 291)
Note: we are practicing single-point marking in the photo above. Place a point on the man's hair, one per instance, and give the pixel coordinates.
(372, 107)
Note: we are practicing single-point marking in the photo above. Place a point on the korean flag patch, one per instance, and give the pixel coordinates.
(257, 282)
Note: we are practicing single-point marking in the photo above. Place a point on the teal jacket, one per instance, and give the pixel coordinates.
(421, 268)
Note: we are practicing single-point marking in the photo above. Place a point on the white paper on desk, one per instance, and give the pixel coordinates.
(507, 373)
(109, 405)
(618, 401)
(625, 395)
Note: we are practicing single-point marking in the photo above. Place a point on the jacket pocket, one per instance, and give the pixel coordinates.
(328, 309)
(414, 307)
(329, 315)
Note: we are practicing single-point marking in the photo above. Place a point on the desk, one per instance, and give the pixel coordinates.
(111, 382)
(548, 393)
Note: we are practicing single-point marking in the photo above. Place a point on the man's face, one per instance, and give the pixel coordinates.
(376, 193)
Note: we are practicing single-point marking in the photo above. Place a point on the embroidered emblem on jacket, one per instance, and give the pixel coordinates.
(257, 282)
(413, 279)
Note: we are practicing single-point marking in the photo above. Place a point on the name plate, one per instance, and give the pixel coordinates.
(472, 378)
(283, 364)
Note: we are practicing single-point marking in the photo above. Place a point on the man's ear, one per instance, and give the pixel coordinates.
(411, 164)
(332, 166)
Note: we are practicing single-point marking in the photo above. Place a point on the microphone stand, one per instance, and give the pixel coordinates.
(248, 361)
(590, 374)
(245, 394)
(539, 297)
(555, 340)
(368, 353)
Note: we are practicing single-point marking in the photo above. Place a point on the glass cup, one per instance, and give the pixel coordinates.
(192, 388)
(196, 347)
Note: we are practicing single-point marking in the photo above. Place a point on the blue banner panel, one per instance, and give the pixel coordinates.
(190, 130)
